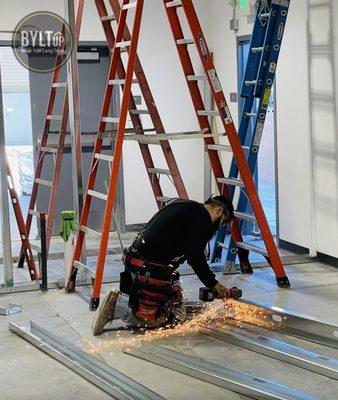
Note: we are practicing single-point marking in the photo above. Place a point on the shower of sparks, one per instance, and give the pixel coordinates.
(214, 313)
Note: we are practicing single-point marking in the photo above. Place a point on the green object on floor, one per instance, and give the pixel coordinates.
(68, 224)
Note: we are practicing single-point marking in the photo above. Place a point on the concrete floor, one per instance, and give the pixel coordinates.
(27, 373)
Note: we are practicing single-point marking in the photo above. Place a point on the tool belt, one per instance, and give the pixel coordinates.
(150, 286)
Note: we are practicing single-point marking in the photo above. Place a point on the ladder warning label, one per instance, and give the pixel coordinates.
(266, 98)
(203, 46)
(272, 68)
(258, 133)
(225, 112)
(214, 80)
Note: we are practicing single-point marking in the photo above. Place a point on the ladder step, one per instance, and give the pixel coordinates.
(54, 117)
(123, 44)
(250, 247)
(231, 181)
(104, 157)
(155, 139)
(59, 85)
(108, 18)
(98, 195)
(49, 149)
(112, 120)
(257, 49)
(265, 15)
(83, 267)
(208, 113)
(44, 182)
(129, 5)
(159, 171)
(120, 81)
(176, 3)
(36, 213)
(35, 247)
(89, 231)
(196, 77)
(163, 199)
(138, 112)
(223, 147)
(250, 83)
(185, 41)
(251, 114)
(242, 215)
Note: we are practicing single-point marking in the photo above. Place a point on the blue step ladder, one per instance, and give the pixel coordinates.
(257, 83)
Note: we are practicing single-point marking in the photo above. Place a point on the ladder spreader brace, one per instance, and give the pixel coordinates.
(202, 114)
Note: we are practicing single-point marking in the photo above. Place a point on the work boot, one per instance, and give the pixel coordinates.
(105, 312)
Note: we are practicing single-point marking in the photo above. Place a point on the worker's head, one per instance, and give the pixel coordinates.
(221, 210)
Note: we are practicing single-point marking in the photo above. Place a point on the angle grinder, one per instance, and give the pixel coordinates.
(209, 294)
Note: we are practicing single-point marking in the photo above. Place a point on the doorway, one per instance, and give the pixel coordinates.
(265, 172)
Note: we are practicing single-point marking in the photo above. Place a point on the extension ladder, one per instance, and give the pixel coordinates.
(27, 247)
(45, 148)
(257, 83)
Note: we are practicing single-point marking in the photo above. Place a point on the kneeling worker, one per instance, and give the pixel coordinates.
(151, 292)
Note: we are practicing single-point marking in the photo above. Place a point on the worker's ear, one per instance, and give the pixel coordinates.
(219, 211)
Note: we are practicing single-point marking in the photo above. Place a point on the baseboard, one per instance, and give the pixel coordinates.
(321, 257)
(295, 248)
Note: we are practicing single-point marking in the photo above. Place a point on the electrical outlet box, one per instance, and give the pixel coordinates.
(233, 97)
(234, 24)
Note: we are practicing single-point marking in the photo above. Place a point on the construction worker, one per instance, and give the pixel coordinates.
(150, 292)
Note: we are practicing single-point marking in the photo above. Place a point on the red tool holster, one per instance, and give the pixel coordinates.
(151, 288)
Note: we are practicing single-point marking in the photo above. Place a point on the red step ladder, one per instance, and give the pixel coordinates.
(159, 138)
(28, 254)
(45, 148)
(246, 181)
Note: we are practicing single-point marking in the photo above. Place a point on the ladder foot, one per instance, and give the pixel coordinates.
(283, 282)
(246, 268)
(70, 288)
(94, 303)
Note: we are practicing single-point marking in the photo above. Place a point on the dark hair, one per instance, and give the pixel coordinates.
(224, 202)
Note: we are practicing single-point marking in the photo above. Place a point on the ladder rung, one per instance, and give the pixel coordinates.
(251, 114)
(250, 83)
(176, 3)
(112, 120)
(185, 41)
(159, 171)
(231, 181)
(49, 149)
(98, 195)
(196, 77)
(319, 4)
(44, 182)
(257, 49)
(224, 147)
(54, 117)
(320, 49)
(123, 44)
(155, 139)
(208, 113)
(108, 18)
(104, 157)
(35, 247)
(137, 112)
(120, 81)
(253, 248)
(59, 84)
(322, 97)
(163, 199)
(265, 15)
(89, 231)
(79, 265)
(36, 213)
(242, 215)
(129, 5)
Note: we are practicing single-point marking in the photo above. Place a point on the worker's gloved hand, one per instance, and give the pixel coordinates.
(224, 293)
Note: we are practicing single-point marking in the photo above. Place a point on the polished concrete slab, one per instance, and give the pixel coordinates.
(27, 373)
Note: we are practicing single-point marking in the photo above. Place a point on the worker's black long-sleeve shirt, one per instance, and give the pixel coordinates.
(181, 228)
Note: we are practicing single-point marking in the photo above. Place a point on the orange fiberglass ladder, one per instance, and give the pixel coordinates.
(125, 40)
(27, 247)
(45, 148)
